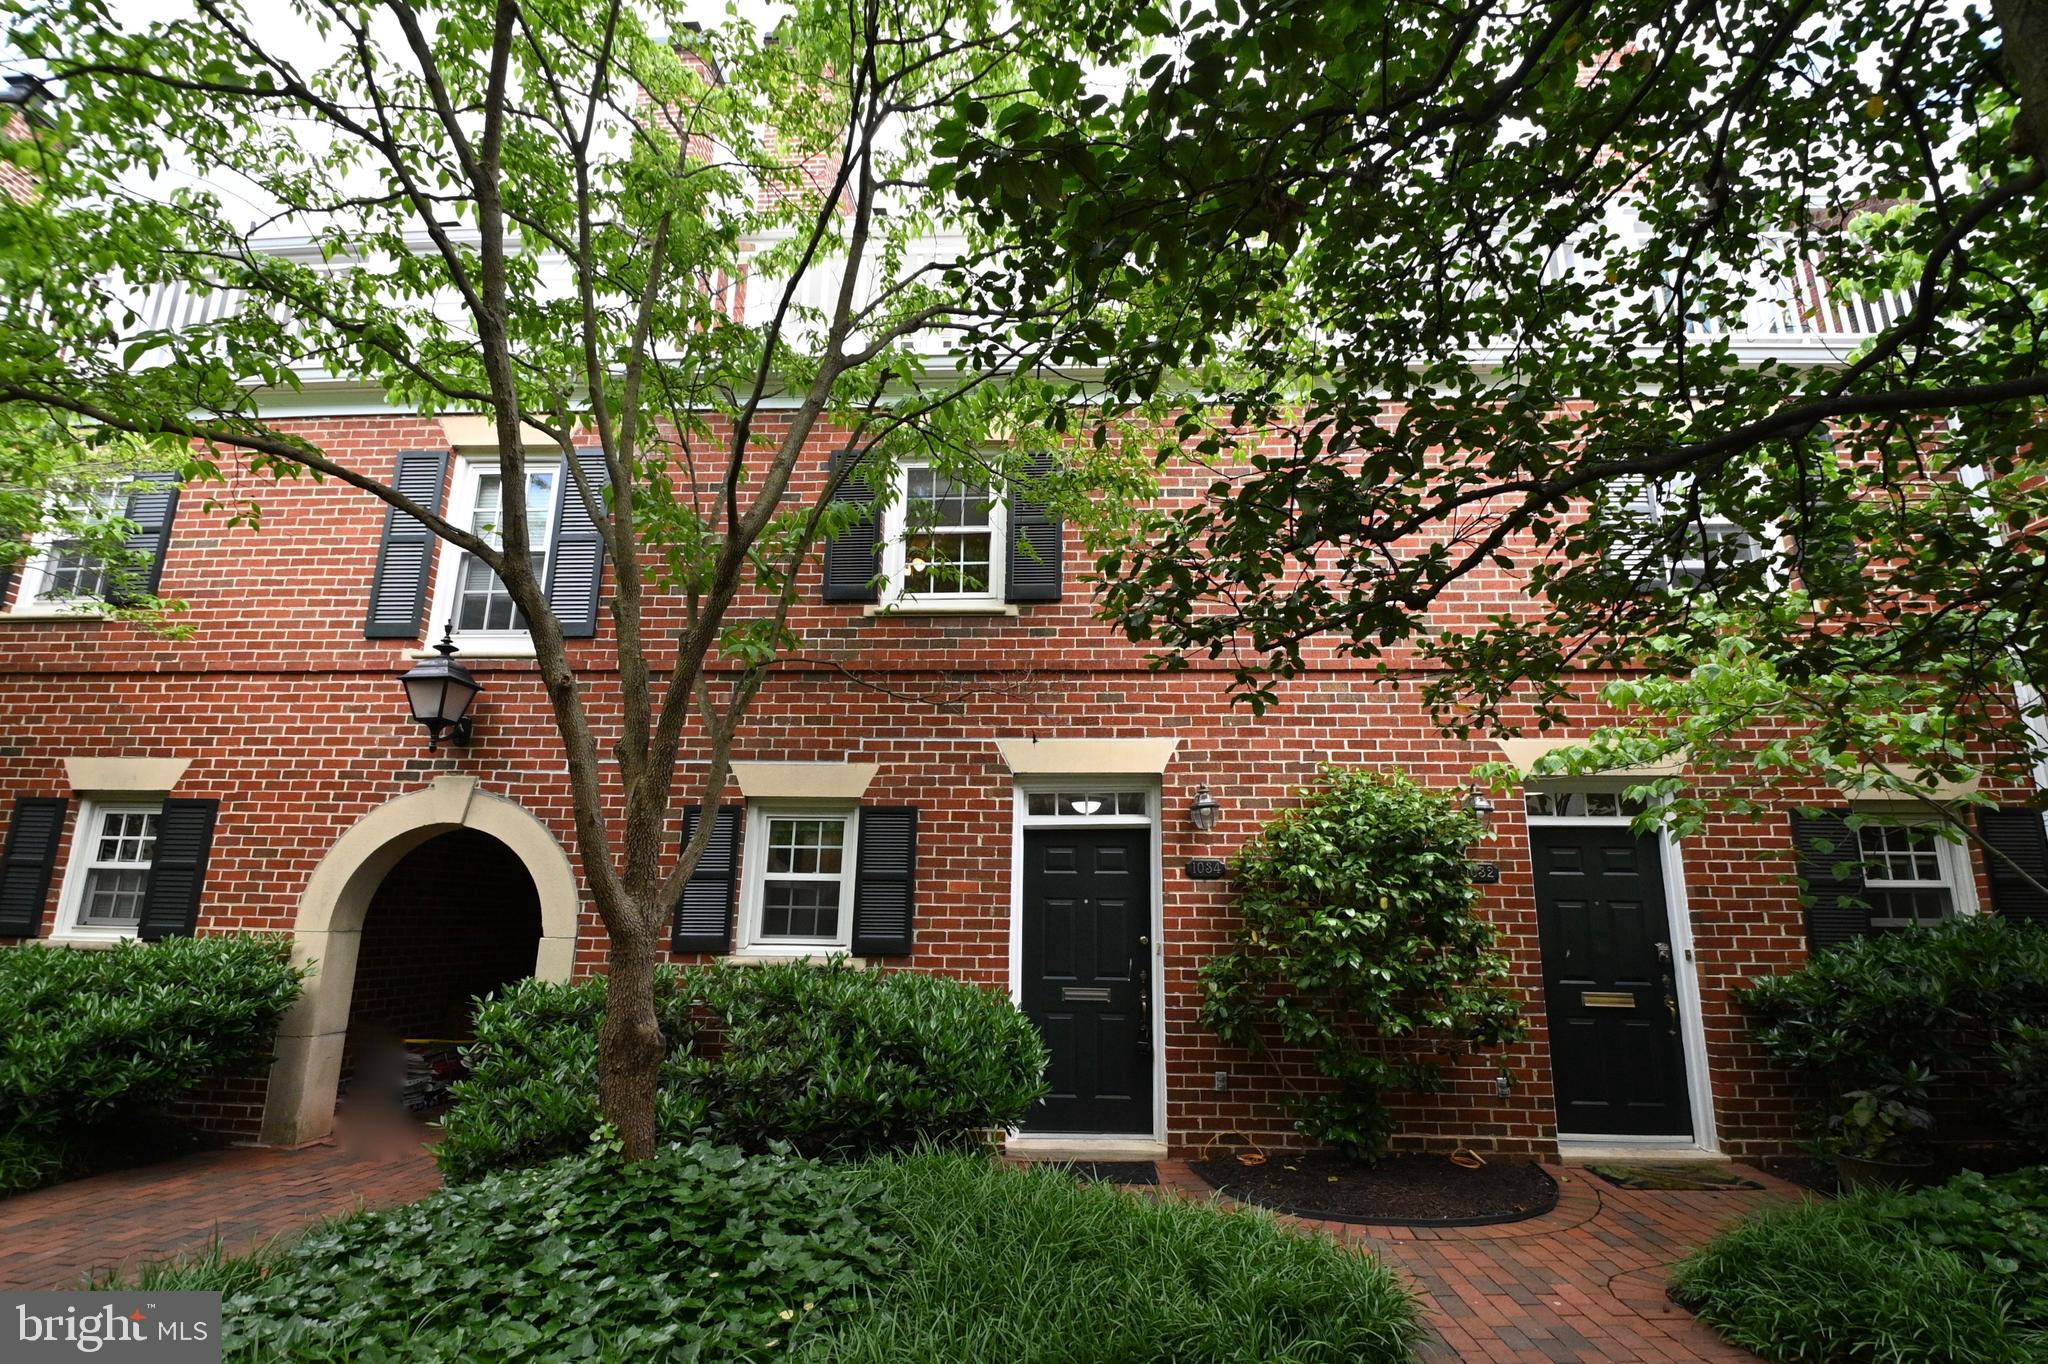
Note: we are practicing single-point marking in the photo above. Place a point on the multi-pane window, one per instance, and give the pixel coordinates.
(949, 537)
(802, 872)
(63, 570)
(1906, 878)
(1084, 804)
(110, 867)
(481, 602)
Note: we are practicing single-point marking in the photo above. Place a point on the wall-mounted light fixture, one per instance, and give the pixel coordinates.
(1206, 810)
(441, 692)
(1480, 807)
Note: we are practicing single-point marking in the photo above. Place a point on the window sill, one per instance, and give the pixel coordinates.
(87, 942)
(482, 649)
(941, 608)
(757, 957)
(42, 615)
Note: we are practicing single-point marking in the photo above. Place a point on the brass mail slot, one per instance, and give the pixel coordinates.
(1607, 999)
(1084, 994)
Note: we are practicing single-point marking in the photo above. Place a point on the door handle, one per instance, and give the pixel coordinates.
(1671, 1001)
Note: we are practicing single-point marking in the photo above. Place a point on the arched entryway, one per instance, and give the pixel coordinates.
(348, 886)
(456, 919)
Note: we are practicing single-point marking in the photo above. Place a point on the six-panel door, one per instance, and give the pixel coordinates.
(1609, 982)
(1086, 975)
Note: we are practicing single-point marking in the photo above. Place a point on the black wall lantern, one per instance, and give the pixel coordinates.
(1206, 810)
(1480, 807)
(440, 692)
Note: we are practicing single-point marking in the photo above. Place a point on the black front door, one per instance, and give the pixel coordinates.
(1087, 975)
(1609, 986)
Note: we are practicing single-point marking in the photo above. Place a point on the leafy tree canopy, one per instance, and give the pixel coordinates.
(1517, 282)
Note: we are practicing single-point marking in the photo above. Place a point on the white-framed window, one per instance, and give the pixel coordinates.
(1913, 877)
(798, 868)
(59, 572)
(1706, 542)
(945, 540)
(112, 852)
(1086, 804)
(466, 591)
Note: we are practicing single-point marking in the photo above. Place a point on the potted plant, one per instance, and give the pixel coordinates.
(1874, 1134)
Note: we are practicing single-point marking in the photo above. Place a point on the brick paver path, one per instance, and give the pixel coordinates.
(61, 1237)
(1582, 1284)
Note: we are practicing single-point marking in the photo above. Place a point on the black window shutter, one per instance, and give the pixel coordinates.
(399, 594)
(885, 881)
(32, 836)
(152, 505)
(2016, 850)
(576, 559)
(704, 918)
(1831, 879)
(170, 898)
(1033, 571)
(853, 557)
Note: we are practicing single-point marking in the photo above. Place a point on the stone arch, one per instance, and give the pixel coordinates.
(299, 1104)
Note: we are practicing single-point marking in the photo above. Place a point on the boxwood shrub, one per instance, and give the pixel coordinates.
(832, 1060)
(1954, 1000)
(94, 1043)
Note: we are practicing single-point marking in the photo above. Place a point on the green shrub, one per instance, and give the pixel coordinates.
(94, 1042)
(704, 1253)
(1030, 1266)
(1361, 944)
(2023, 1057)
(829, 1059)
(1907, 1009)
(1958, 1272)
(700, 1253)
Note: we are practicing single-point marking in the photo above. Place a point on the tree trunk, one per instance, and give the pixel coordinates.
(629, 1043)
(2023, 26)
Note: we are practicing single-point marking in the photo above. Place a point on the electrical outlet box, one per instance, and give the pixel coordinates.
(1503, 1085)
(1222, 1081)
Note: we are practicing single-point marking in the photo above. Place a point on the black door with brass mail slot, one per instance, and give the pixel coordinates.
(1617, 1057)
(1087, 975)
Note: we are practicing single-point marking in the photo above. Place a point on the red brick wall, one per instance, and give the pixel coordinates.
(295, 722)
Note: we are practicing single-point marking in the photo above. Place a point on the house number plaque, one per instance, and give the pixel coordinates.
(1483, 873)
(1206, 868)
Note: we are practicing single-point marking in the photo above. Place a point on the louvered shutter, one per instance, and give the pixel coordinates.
(2017, 860)
(576, 559)
(1033, 571)
(1831, 879)
(704, 918)
(885, 881)
(152, 505)
(1641, 564)
(32, 837)
(406, 556)
(853, 557)
(184, 839)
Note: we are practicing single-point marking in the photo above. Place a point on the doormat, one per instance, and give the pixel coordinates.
(1672, 1178)
(1112, 1171)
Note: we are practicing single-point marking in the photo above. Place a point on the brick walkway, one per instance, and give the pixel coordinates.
(1582, 1284)
(63, 1236)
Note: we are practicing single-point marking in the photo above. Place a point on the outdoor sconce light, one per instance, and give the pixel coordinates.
(440, 692)
(1480, 807)
(1206, 810)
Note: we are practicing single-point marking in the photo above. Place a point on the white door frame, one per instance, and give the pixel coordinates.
(1692, 1029)
(1150, 785)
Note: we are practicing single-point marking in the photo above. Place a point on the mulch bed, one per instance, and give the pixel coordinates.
(1407, 1190)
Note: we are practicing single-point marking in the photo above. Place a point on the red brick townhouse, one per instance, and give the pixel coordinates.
(1042, 829)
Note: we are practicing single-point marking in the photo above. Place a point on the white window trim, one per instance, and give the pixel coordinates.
(71, 899)
(1953, 860)
(895, 532)
(33, 579)
(448, 561)
(753, 878)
